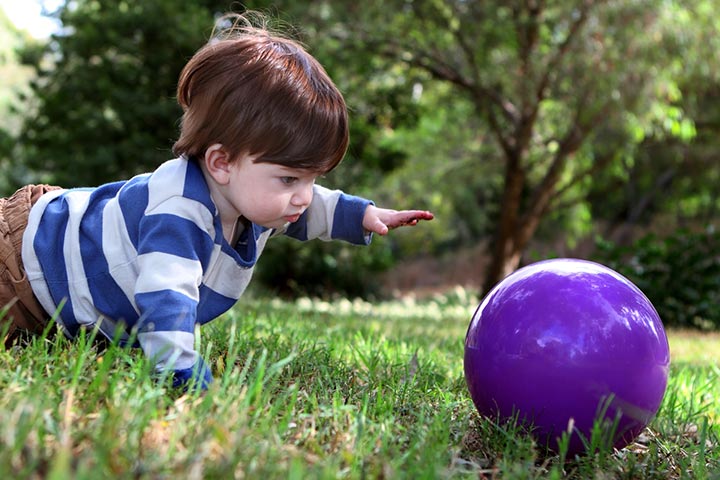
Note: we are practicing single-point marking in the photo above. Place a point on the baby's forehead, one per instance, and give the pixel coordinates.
(291, 170)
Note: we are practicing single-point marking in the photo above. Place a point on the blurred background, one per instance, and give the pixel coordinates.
(533, 129)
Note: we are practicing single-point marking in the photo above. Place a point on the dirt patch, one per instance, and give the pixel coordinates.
(425, 276)
(466, 267)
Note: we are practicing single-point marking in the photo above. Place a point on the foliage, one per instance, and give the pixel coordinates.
(119, 63)
(669, 165)
(543, 80)
(15, 84)
(605, 111)
(106, 107)
(442, 173)
(325, 270)
(680, 274)
(313, 390)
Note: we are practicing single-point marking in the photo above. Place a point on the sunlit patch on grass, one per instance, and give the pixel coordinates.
(691, 346)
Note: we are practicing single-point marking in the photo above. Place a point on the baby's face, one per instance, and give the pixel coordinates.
(267, 194)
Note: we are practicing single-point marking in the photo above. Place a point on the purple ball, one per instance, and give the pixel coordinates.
(562, 343)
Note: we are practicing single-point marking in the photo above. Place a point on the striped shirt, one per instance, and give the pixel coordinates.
(148, 255)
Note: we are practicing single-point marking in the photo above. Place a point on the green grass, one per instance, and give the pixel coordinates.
(318, 390)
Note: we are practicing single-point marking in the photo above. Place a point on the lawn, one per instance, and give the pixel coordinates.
(313, 389)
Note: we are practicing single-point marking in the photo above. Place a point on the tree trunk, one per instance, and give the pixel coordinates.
(505, 254)
(504, 260)
(515, 227)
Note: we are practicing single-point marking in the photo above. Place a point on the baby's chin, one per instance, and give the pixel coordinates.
(276, 224)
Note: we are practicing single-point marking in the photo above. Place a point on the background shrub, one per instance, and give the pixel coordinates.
(680, 274)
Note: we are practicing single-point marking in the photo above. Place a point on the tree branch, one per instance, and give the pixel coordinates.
(467, 49)
(505, 144)
(545, 192)
(596, 167)
(555, 61)
(526, 18)
(441, 71)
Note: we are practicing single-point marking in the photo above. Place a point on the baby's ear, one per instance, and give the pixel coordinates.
(217, 163)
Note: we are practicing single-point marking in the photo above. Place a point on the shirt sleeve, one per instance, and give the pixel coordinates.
(332, 215)
(174, 247)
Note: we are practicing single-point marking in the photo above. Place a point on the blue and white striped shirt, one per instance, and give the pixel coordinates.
(149, 253)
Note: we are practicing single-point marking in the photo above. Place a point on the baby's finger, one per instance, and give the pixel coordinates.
(379, 227)
(412, 217)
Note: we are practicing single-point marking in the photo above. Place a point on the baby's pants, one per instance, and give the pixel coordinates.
(22, 312)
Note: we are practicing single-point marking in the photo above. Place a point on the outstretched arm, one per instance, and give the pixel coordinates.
(382, 220)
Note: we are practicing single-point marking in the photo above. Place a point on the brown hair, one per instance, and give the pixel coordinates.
(258, 93)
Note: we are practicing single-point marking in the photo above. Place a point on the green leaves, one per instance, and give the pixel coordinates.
(106, 107)
(680, 274)
(549, 116)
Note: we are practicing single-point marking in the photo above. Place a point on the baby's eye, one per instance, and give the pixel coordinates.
(288, 180)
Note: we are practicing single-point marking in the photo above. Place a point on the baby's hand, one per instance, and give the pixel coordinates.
(382, 220)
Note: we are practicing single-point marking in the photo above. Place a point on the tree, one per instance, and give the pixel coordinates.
(544, 77)
(105, 106)
(674, 169)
